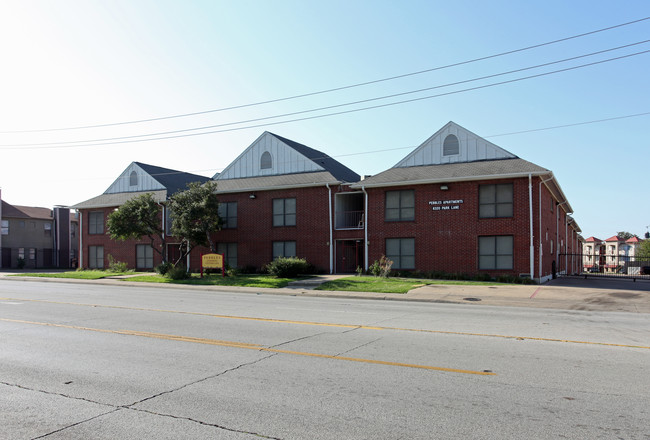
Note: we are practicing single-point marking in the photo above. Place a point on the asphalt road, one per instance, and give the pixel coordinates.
(82, 361)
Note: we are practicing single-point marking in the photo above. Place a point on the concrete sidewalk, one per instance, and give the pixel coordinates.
(563, 293)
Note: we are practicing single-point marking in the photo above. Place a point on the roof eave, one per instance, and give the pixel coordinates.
(451, 179)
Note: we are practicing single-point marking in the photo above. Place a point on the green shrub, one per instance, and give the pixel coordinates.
(288, 267)
(163, 268)
(177, 273)
(381, 268)
(116, 266)
(21, 263)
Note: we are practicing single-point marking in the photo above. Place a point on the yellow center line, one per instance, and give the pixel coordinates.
(327, 324)
(248, 346)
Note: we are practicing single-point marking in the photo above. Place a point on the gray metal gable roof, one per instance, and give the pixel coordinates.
(173, 180)
(336, 168)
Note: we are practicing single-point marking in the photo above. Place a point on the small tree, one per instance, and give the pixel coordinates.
(137, 218)
(195, 216)
(643, 252)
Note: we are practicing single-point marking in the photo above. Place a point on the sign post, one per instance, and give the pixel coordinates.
(213, 261)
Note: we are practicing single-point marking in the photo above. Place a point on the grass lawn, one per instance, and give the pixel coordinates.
(76, 275)
(218, 280)
(389, 285)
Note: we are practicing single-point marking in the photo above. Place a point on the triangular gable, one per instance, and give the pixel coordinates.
(281, 158)
(142, 179)
(471, 148)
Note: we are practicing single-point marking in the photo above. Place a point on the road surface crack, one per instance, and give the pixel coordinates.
(357, 347)
(296, 340)
(221, 373)
(52, 393)
(76, 423)
(200, 422)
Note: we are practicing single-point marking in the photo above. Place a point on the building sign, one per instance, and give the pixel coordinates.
(445, 205)
(212, 261)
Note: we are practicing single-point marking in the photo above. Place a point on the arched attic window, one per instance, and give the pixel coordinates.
(266, 161)
(133, 179)
(451, 146)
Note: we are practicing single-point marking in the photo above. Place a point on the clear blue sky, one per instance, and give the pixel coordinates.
(77, 63)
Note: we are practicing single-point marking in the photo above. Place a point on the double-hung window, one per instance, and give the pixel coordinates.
(229, 251)
(284, 212)
(401, 251)
(284, 249)
(495, 200)
(144, 256)
(96, 257)
(495, 252)
(96, 222)
(228, 214)
(400, 205)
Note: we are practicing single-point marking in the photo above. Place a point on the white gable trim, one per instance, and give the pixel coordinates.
(146, 182)
(472, 148)
(285, 160)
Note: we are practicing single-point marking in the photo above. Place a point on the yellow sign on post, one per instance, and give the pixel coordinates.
(212, 261)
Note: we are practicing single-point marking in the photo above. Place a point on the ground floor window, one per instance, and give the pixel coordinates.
(21, 253)
(495, 252)
(96, 257)
(284, 249)
(401, 251)
(229, 251)
(144, 256)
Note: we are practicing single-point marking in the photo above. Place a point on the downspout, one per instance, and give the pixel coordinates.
(540, 225)
(557, 231)
(365, 230)
(532, 244)
(331, 242)
(81, 240)
(162, 234)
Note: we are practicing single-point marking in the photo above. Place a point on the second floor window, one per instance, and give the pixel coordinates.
(5, 227)
(400, 205)
(228, 214)
(284, 212)
(96, 222)
(495, 200)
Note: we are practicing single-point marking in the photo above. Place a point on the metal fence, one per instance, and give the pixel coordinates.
(604, 265)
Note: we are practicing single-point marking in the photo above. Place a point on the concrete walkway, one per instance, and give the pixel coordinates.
(563, 293)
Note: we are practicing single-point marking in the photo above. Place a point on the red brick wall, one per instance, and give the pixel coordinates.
(123, 251)
(444, 240)
(448, 240)
(255, 232)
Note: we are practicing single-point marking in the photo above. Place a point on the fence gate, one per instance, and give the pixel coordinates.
(604, 265)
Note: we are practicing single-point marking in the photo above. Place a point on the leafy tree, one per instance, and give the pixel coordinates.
(643, 252)
(195, 216)
(625, 235)
(137, 218)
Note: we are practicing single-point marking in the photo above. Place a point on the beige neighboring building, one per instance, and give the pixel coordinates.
(593, 255)
(609, 256)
